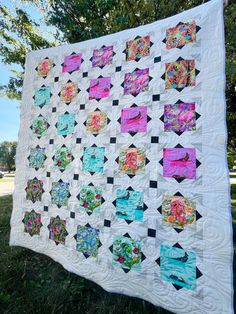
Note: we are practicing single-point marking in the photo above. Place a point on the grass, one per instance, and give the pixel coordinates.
(32, 283)
(6, 180)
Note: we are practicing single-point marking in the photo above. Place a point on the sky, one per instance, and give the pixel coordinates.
(10, 109)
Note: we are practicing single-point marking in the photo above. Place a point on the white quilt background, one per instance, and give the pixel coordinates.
(211, 239)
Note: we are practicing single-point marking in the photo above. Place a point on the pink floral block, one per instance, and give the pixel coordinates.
(102, 56)
(100, 88)
(136, 82)
(179, 163)
(72, 63)
(134, 119)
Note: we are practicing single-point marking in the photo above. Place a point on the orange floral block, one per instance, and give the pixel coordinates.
(181, 35)
(131, 160)
(138, 48)
(69, 92)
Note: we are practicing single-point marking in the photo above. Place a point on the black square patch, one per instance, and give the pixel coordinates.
(45, 208)
(107, 223)
(51, 141)
(78, 141)
(113, 140)
(110, 180)
(76, 177)
(156, 97)
(153, 184)
(72, 215)
(115, 103)
(82, 107)
(85, 74)
(118, 69)
(151, 233)
(56, 79)
(48, 174)
(154, 139)
(54, 109)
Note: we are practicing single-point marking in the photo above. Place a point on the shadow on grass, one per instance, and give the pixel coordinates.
(34, 283)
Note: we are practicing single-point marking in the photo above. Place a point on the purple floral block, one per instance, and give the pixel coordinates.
(180, 117)
(134, 119)
(136, 82)
(179, 163)
(72, 63)
(102, 56)
(100, 88)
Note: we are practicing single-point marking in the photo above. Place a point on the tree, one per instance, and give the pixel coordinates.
(7, 154)
(78, 20)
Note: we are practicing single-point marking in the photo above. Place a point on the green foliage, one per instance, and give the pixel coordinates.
(7, 154)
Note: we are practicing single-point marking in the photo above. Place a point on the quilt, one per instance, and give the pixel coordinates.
(121, 162)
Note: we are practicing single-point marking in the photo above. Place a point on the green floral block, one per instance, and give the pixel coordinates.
(127, 253)
(66, 124)
(57, 230)
(178, 266)
(87, 240)
(90, 199)
(37, 157)
(93, 159)
(60, 193)
(32, 223)
(129, 205)
(42, 96)
(63, 158)
(34, 190)
(39, 126)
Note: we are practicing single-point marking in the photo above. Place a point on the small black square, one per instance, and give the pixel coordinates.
(151, 233)
(156, 97)
(78, 141)
(76, 176)
(82, 107)
(45, 208)
(157, 59)
(72, 215)
(54, 109)
(113, 140)
(115, 102)
(153, 184)
(85, 74)
(154, 139)
(48, 174)
(118, 69)
(110, 180)
(107, 223)
(56, 79)
(51, 141)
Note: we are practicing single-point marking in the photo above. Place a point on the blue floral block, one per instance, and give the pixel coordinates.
(93, 159)
(129, 205)
(60, 193)
(87, 240)
(42, 96)
(37, 157)
(178, 266)
(66, 124)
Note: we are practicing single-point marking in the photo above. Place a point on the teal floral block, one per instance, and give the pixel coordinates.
(37, 157)
(66, 124)
(129, 205)
(93, 159)
(39, 126)
(90, 199)
(127, 253)
(60, 193)
(42, 96)
(178, 266)
(87, 240)
(63, 158)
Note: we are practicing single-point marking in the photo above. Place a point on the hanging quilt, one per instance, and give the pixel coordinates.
(121, 162)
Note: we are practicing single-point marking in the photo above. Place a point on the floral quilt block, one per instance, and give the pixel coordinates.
(39, 126)
(62, 158)
(90, 199)
(32, 223)
(138, 48)
(37, 157)
(57, 230)
(100, 88)
(129, 205)
(178, 266)
(68, 92)
(179, 163)
(181, 35)
(180, 117)
(96, 122)
(87, 240)
(102, 57)
(34, 190)
(180, 74)
(93, 159)
(131, 160)
(136, 82)
(134, 119)
(127, 253)
(178, 211)
(66, 124)
(42, 96)
(72, 63)
(60, 193)
(44, 67)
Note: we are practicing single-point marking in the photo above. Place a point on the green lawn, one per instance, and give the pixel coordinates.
(32, 283)
(6, 180)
